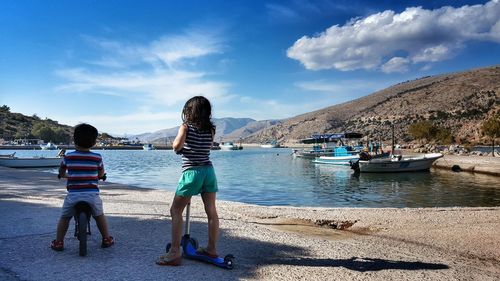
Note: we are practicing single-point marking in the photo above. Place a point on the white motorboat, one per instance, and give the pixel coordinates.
(342, 155)
(148, 146)
(29, 162)
(397, 163)
(228, 146)
(48, 146)
(273, 144)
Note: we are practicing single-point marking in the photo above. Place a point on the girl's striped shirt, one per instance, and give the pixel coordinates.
(82, 171)
(196, 150)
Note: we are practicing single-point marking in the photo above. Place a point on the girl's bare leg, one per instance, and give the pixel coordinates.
(176, 211)
(213, 221)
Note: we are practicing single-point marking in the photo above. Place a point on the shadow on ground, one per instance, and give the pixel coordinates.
(360, 264)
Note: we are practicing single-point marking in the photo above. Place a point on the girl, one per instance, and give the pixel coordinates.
(193, 141)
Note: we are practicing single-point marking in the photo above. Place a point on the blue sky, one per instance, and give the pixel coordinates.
(127, 67)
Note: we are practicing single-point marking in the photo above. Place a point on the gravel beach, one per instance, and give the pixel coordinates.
(269, 243)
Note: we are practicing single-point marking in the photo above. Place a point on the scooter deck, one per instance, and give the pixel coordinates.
(189, 252)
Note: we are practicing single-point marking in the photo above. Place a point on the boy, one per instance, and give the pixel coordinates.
(83, 169)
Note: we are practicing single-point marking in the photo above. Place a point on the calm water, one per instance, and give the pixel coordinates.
(274, 177)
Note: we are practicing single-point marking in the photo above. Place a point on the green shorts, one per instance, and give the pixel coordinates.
(197, 180)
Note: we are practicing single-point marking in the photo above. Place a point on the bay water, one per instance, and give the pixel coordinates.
(274, 177)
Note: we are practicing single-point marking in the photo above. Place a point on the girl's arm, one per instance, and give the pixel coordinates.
(180, 138)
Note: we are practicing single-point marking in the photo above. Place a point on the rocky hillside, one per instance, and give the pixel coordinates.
(457, 101)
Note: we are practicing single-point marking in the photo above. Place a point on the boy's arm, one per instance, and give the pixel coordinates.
(62, 169)
(101, 173)
(178, 143)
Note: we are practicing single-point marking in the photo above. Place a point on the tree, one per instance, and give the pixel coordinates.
(422, 130)
(428, 131)
(491, 128)
(5, 108)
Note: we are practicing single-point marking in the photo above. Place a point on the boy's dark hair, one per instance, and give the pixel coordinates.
(85, 135)
(198, 112)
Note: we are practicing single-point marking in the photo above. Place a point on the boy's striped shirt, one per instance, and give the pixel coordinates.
(196, 150)
(82, 171)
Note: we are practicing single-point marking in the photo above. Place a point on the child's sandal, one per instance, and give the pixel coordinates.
(107, 242)
(57, 245)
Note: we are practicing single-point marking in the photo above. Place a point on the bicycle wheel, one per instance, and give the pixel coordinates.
(82, 233)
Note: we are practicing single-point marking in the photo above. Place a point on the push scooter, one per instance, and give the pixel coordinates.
(82, 217)
(190, 245)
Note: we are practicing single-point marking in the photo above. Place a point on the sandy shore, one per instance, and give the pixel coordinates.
(269, 243)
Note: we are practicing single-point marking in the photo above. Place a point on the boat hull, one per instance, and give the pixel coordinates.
(30, 162)
(336, 160)
(388, 165)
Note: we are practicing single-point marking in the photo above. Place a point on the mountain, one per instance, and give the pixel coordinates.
(251, 128)
(457, 101)
(224, 127)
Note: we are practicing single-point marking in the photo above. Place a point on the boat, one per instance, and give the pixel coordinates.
(148, 146)
(342, 155)
(48, 146)
(324, 144)
(228, 146)
(396, 163)
(273, 144)
(12, 161)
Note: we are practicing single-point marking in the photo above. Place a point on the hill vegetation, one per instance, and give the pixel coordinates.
(18, 126)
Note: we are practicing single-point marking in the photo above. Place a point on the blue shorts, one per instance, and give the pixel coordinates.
(196, 180)
(92, 198)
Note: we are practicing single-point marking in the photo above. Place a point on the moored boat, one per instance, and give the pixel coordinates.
(228, 146)
(273, 144)
(30, 162)
(148, 146)
(397, 163)
(342, 155)
(48, 146)
(324, 144)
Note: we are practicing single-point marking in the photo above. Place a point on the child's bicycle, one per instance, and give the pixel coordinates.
(82, 222)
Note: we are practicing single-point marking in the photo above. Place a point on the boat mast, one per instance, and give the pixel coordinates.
(393, 143)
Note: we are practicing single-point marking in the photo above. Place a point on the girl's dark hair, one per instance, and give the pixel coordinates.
(85, 135)
(198, 112)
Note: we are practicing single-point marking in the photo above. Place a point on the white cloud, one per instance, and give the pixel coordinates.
(344, 87)
(153, 70)
(421, 35)
(396, 64)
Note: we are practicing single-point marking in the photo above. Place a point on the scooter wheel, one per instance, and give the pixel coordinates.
(228, 261)
(168, 247)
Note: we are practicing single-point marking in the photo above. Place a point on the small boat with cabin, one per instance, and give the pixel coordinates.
(324, 144)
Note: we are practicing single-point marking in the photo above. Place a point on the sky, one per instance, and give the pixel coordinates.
(128, 67)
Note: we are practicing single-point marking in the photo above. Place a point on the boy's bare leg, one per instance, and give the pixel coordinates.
(176, 211)
(102, 224)
(62, 228)
(213, 221)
